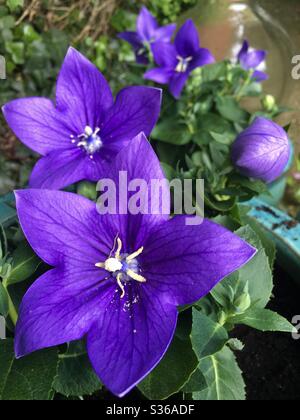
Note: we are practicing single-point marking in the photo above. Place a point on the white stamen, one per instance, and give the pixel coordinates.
(115, 266)
(183, 64)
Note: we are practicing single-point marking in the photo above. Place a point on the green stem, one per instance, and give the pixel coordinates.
(240, 92)
(13, 314)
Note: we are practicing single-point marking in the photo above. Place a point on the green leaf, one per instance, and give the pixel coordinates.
(197, 383)
(29, 378)
(260, 285)
(14, 4)
(208, 337)
(4, 307)
(265, 320)
(75, 375)
(223, 377)
(171, 132)
(16, 50)
(25, 263)
(214, 71)
(229, 108)
(173, 372)
(7, 215)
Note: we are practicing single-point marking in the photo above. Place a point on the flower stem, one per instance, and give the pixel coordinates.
(246, 83)
(13, 314)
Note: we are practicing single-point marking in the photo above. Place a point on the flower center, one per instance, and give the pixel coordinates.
(183, 64)
(90, 141)
(123, 267)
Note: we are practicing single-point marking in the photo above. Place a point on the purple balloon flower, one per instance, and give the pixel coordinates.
(179, 60)
(147, 33)
(262, 151)
(118, 279)
(86, 129)
(250, 60)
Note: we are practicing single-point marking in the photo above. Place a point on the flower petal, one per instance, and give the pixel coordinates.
(146, 24)
(177, 84)
(244, 50)
(132, 38)
(37, 123)
(60, 307)
(165, 54)
(136, 110)
(253, 59)
(139, 162)
(187, 40)
(68, 224)
(58, 170)
(260, 76)
(82, 92)
(165, 33)
(159, 75)
(188, 261)
(129, 340)
(202, 58)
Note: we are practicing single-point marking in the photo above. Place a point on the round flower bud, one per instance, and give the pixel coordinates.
(262, 151)
(269, 102)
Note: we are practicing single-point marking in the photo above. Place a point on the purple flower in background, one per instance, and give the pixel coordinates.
(147, 33)
(179, 60)
(251, 60)
(262, 151)
(86, 128)
(118, 279)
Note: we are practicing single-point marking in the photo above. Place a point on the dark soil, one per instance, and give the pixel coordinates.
(271, 361)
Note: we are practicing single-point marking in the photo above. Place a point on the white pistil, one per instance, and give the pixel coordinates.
(90, 140)
(115, 265)
(183, 64)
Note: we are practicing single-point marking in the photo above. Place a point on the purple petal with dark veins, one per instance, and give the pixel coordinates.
(37, 123)
(82, 92)
(129, 340)
(262, 151)
(68, 224)
(186, 262)
(60, 307)
(59, 169)
(136, 110)
(140, 162)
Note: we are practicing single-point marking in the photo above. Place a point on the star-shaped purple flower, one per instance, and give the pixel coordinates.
(85, 129)
(147, 33)
(118, 279)
(251, 60)
(176, 62)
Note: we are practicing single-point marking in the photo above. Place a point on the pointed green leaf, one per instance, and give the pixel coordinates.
(265, 320)
(3, 301)
(223, 377)
(25, 263)
(173, 372)
(29, 378)
(208, 337)
(75, 375)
